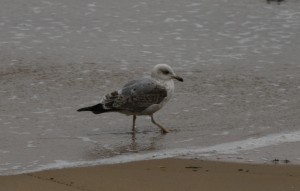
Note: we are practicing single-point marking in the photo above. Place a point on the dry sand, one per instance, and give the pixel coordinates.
(166, 174)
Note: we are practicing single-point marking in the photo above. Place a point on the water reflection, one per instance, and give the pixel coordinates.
(129, 142)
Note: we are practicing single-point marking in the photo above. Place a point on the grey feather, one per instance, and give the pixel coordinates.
(135, 96)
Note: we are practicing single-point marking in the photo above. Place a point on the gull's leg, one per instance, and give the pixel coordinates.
(133, 123)
(164, 130)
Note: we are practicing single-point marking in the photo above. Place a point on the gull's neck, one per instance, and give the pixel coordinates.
(168, 84)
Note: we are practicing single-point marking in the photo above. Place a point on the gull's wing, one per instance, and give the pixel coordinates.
(135, 96)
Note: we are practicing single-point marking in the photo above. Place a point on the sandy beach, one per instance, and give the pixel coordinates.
(165, 174)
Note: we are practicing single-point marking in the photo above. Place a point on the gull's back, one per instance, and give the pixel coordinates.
(135, 96)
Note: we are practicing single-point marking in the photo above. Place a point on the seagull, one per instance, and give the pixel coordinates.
(144, 96)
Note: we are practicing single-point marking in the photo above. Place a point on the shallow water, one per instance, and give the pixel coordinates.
(240, 62)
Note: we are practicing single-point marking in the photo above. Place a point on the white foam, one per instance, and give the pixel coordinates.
(198, 25)
(193, 4)
(3, 152)
(168, 20)
(13, 97)
(225, 148)
(30, 144)
(87, 139)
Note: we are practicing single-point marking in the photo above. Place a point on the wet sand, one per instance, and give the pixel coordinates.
(166, 174)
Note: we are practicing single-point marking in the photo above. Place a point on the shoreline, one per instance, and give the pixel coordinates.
(242, 152)
(161, 174)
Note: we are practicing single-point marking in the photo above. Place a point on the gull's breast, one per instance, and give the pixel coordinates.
(169, 85)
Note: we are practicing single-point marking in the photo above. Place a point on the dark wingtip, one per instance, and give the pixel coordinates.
(84, 109)
(96, 109)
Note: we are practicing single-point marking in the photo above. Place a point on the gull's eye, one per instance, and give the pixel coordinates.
(166, 72)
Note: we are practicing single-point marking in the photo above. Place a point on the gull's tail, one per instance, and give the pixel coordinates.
(96, 109)
(106, 104)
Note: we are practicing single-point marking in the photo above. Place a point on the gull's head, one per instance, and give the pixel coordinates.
(164, 72)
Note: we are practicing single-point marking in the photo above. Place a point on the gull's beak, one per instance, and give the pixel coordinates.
(178, 78)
